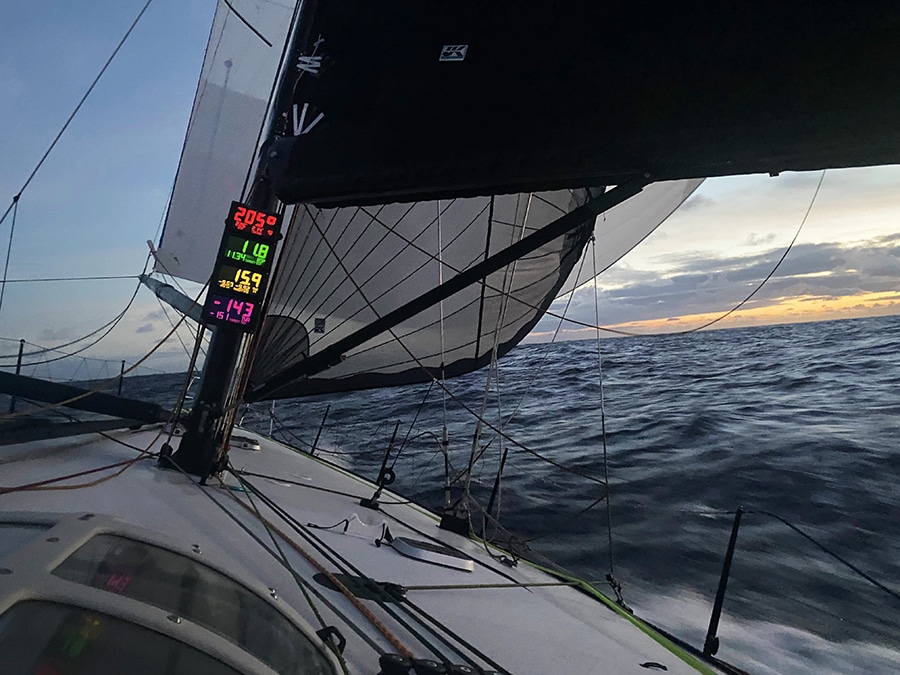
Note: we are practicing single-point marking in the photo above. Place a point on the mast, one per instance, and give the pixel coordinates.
(197, 453)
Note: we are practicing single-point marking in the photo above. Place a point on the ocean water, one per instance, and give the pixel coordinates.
(800, 421)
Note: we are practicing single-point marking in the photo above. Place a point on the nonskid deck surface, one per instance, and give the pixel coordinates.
(554, 629)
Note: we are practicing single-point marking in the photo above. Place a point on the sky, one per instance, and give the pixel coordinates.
(102, 194)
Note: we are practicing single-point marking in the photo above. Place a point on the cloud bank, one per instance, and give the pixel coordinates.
(813, 282)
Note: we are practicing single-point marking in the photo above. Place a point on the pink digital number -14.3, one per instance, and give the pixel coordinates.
(239, 311)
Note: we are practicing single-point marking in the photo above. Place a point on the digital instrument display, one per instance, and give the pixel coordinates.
(222, 309)
(253, 221)
(241, 272)
(239, 280)
(243, 250)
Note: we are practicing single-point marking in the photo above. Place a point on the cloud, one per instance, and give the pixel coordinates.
(146, 328)
(697, 284)
(697, 201)
(55, 334)
(754, 239)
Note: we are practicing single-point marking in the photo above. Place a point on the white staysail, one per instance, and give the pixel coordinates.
(223, 135)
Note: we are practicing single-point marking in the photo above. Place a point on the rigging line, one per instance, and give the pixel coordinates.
(412, 425)
(834, 555)
(335, 558)
(12, 231)
(102, 384)
(504, 295)
(46, 483)
(363, 231)
(107, 327)
(171, 323)
(430, 257)
(524, 584)
(114, 320)
(455, 636)
(602, 407)
(509, 274)
(487, 253)
(77, 108)
(32, 281)
(295, 575)
(35, 487)
(774, 269)
(325, 550)
(286, 563)
(368, 640)
(440, 262)
(372, 218)
(119, 441)
(570, 518)
(409, 243)
(247, 23)
(733, 309)
(278, 479)
(519, 445)
(178, 407)
(547, 350)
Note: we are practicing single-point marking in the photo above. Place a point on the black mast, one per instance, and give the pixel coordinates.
(197, 453)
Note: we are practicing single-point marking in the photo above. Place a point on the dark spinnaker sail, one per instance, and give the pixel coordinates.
(420, 100)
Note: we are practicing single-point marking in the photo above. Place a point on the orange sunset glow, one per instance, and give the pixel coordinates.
(781, 310)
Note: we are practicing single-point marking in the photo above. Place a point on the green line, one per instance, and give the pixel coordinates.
(677, 650)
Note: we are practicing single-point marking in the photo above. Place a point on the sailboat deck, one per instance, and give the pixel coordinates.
(508, 625)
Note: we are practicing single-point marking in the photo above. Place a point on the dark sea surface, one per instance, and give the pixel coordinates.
(800, 421)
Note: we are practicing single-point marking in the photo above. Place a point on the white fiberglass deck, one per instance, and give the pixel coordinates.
(540, 630)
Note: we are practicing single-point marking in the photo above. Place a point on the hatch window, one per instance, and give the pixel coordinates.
(178, 584)
(45, 637)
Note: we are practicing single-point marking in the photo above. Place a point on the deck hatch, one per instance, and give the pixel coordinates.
(197, 593)
(47, 637)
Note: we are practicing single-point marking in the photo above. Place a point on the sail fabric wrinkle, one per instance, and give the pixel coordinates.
(346, 267)
(626, 225)
(221, 143)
